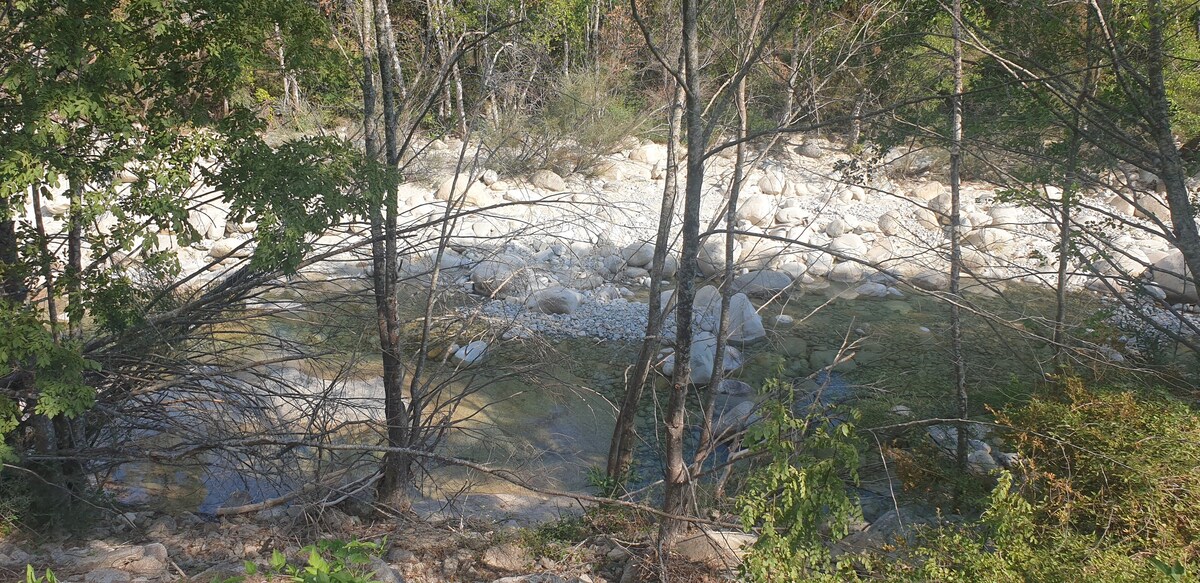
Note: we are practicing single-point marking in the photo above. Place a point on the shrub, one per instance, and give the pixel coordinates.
(1108, 490)
(585, 118)
(332, 561)
(1114, 464)
(800, 495)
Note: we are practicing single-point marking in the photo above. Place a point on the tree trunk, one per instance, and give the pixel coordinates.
(1070, 187)
(11, 283)
(706, 442)
(960, 370)
(397, 467)
(74, 271)
(620, 450)
(1171, 169)
(676, 478)
(47, 262)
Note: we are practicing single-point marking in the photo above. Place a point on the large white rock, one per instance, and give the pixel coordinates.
(229, 247)
(471, 192)
(1171, 273)
(757, 209)
(555, 300)
(745, 325)
(872, 290)
(1005, 216)
(846, 272)
(649, 154)
(792, 216)
(501, 276)
(548, 180)
(762, 283)
(771, 183)
(471, 354)
(712, 255)
(928, 191)
(638, 254)
(820, 264)
(890, 223)
(209, 220)
(931, 280)
(989, 239)
(704, 354)
(850, 245)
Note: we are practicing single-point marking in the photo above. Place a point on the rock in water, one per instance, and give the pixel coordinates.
(763, 283)
(735, 388)
(745, 325)
(470, 354)
(704, 353)
(846, 272)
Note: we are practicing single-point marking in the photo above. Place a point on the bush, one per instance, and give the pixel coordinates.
(585, 118)
(1108, 490)
(800, 495)
(1114, 464)
(329, 561)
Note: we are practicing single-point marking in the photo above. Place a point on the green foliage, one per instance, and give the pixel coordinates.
(328, 561)
(31, 576)
(294, 190)
(1115, 464)
(1108, 491)
(57, 370)
(586, 117)
(599, 479)
(800, 493)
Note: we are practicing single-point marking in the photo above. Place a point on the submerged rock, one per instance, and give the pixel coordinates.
(471, 354)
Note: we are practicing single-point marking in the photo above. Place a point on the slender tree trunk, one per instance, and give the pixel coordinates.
(960, 370)
(1070, 187)
(620, 451)
(74, 271)
(677, 480)
(706, 443)
(11, 282)
(397, 467)
(47, 262)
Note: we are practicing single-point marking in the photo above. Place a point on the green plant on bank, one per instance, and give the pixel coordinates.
(554, 539)
(606, 486)
(31, 576)
(1108, 490)
(801, 494)
(329, 561)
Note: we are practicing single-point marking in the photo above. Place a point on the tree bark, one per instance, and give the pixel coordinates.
(397, 466)
(1171, 168)
(677, 480)
(620, 451)
(956, 129)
